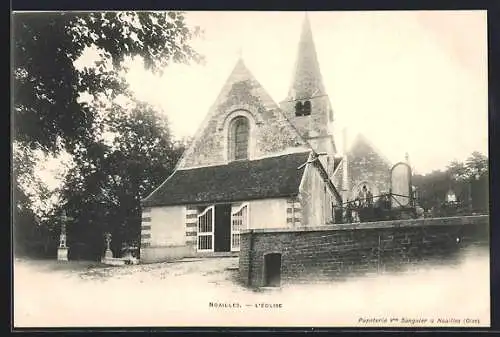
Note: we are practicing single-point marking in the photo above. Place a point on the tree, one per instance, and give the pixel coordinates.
(47, 85)
(477, 165)
(25, 187)
(50, 115)
(458, 170)
(474, 167)
(469, 181)
(103, 191)
(432, 188)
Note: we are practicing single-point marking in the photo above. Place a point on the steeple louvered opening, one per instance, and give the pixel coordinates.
(307, 104)
(303, 108)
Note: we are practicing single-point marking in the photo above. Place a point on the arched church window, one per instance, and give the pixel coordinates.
(306, 109)
(303, 109)
(298, 109)
(240, 130)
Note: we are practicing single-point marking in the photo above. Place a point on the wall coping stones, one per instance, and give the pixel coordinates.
(457, 220)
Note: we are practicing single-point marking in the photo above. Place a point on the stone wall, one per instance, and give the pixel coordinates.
(334, 252)
(315, 125)
(166, 233)
(170, 232)
(366, 165)
(152, 254)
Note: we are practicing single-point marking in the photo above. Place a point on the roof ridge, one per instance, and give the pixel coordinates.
(246, 161)
(273, 176)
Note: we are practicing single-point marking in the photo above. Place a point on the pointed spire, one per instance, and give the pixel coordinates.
(307, 80)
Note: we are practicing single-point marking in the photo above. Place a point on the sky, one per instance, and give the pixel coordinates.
(413, 81)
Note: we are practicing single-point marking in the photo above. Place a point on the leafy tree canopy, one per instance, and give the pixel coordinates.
(121, 148)
(474, 167)
(47, 85)
(468, 180)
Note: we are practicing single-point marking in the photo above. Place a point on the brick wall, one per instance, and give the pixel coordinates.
(330, 253)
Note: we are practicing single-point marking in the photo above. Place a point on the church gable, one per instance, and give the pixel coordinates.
(244, 123)
(366, 164)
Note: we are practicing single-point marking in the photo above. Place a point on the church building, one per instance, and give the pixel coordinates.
(362, 165)
(252, 164)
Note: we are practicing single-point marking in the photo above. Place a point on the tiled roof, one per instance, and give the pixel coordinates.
(270, 177)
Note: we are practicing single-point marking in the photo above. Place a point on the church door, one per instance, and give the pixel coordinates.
(222, 229)
(205, 236)
(272, 270)
(239, 221)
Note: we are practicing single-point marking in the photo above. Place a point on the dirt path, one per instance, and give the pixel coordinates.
(205, 293)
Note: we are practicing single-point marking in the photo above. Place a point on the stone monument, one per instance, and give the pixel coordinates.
(108, 254)
(62, 251)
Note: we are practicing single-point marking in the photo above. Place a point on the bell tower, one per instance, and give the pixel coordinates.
(307, 105)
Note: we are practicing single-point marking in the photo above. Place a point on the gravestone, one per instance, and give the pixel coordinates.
(108, 254)
(401, 185)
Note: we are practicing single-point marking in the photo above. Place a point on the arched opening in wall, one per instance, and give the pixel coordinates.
(365, 192)
(306, 109)
(298, 109)
(303, 109)
(239, 138)
(272, 270)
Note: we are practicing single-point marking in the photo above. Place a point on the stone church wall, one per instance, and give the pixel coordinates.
(271, 132)
(315, 199)
(314, 125)
(164, 234)
(365, 165)
(268, 213)
(170, 232)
